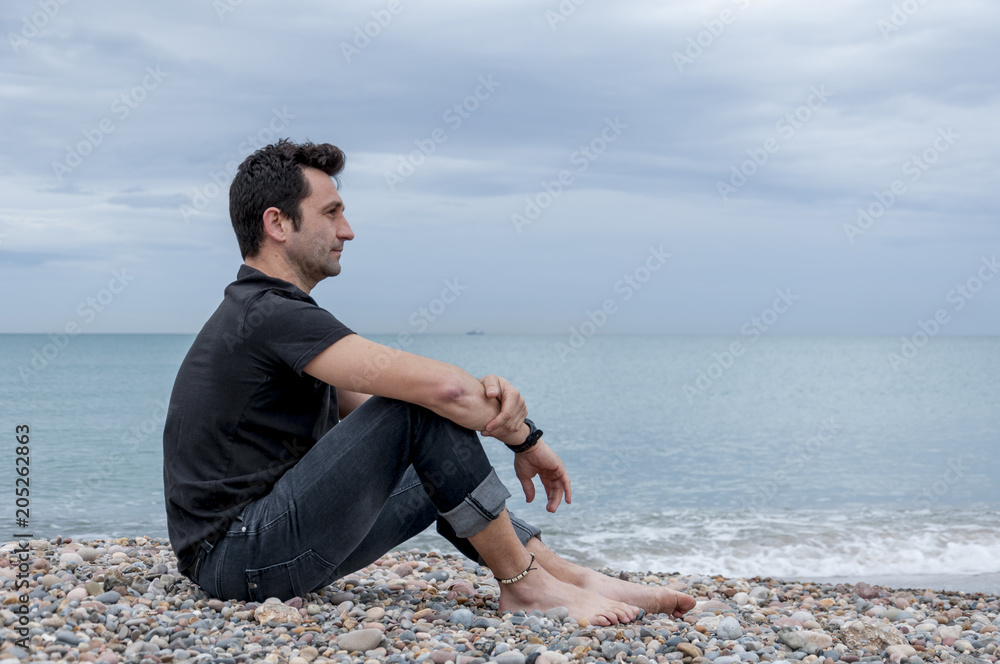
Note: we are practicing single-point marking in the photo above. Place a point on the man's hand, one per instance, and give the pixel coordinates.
(542, 461)
(510, 420)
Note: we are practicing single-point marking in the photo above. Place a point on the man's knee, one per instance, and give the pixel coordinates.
(417, 413)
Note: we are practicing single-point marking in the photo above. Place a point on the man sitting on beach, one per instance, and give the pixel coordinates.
(282, 473)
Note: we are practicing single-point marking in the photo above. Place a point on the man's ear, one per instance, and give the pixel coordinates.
(275, 224)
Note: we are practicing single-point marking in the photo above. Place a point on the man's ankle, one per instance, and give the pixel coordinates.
(558, 567)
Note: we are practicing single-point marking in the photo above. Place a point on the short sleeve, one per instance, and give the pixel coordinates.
(290, 331)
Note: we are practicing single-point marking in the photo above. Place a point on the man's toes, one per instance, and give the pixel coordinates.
(613, 615)
(624, 614)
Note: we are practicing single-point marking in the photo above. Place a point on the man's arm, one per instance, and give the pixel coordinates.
(358, 365)
(361, 366)
(347, 401)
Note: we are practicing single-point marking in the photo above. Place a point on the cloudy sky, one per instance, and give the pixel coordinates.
(514, 165)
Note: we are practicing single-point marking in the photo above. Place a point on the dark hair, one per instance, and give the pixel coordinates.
(272, 177)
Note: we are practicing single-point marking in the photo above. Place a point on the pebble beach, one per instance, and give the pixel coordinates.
(123, 600)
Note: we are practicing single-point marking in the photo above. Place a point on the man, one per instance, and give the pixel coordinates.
(281, 475)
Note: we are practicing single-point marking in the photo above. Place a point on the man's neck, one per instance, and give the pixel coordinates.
(278, 269)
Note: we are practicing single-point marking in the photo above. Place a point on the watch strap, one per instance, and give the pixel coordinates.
(534, 435)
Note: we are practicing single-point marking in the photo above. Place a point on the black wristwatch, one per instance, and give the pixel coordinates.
(534, 435)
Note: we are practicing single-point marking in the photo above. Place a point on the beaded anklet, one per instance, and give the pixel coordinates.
(522, 574)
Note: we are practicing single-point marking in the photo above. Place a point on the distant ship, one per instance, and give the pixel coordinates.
(475, 332)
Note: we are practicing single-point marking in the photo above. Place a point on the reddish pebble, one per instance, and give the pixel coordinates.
(785, 621)
(464, 588)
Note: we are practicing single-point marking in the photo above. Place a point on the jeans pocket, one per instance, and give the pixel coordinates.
(293, 578)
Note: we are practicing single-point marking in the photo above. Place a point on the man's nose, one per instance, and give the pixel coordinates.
(345, 231)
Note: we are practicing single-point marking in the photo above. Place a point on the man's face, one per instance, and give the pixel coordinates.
(314, 250)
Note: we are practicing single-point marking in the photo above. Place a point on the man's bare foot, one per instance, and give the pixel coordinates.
(652, 599)
(541, 591)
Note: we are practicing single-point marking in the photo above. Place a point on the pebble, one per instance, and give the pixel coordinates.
(87, 554)
(360, 640)
(729, 629)
(792, 639)
(110, 597)
(689, 649)
(275, 611)
(70, 560)
(558, 614)
(817, 639)
(124, 601)
(49, 580)
(462, 617)
(610, 649)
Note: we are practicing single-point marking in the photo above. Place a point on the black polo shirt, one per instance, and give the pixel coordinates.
(242, 412)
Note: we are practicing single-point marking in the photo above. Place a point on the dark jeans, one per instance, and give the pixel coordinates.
(379, 477)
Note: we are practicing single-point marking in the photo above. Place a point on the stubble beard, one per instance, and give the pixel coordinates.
(315, 266)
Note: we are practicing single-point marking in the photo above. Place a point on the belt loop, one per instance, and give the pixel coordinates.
(199, 558)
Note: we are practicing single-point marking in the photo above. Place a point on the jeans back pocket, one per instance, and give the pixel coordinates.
(293, 578)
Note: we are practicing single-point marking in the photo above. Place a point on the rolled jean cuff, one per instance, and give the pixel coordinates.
(525, 531)
(479, 508)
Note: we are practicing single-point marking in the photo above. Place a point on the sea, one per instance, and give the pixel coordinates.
(808, 458)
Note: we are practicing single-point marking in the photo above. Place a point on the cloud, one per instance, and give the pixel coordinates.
(203, 89)
(146, 200)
